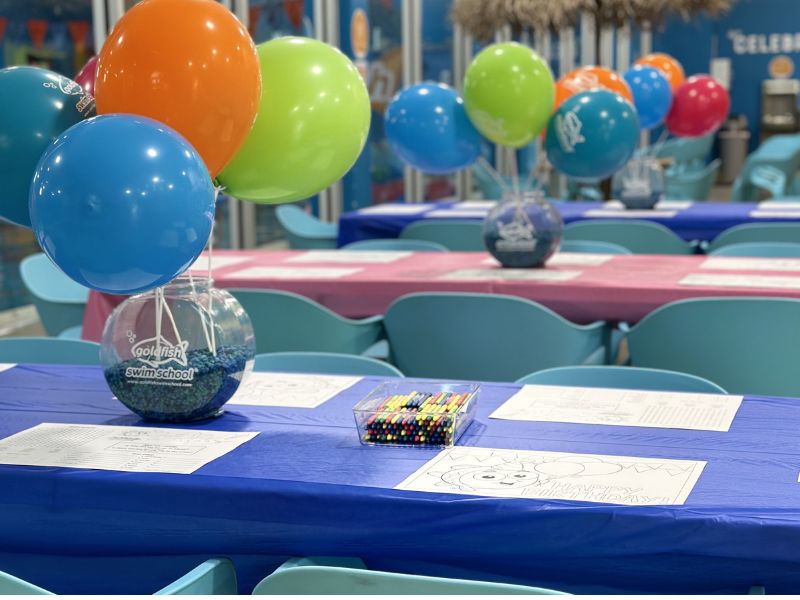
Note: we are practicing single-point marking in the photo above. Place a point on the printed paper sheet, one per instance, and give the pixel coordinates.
(294, 273)
(290, 389)
(557, 475)
(349, 257)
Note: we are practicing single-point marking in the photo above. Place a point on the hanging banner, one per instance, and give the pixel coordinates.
(37, 29)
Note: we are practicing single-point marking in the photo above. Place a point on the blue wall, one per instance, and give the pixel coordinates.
(751, 35)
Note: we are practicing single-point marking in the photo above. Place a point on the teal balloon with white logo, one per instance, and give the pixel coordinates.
(36, 106)
(592, 135)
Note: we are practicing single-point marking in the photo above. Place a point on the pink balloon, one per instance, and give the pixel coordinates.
(700, 106)
(85, 78)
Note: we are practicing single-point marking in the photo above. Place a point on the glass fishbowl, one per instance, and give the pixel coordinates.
(640, 183)
(177, 354)
(523, 231)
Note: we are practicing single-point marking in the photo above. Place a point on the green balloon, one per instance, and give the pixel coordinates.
(509, 94)
(312, 124)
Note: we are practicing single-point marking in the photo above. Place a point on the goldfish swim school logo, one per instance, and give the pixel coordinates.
(159, 351)
(85, 104)
(568, 130)
(517, 235)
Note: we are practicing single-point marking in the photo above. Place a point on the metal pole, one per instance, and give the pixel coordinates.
(462, 55)
(99, 25)
(606, 58)
(624, 47)
(413, 182)
(646, 47)
(503, 161)
(588, 39)
(116, 8)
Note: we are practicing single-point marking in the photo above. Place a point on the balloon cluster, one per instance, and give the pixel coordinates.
(592, 115)
(124, 201)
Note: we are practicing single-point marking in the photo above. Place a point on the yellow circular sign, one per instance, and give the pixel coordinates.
(359, 33)
(781, 67)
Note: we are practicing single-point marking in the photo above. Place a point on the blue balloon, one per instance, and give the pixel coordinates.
(652, 94)
(592, 134)
(426, 126)
(36, 106)
(121, 203)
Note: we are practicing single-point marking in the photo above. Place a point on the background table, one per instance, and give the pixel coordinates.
(624, 288)
(700, 221)
(305, 486)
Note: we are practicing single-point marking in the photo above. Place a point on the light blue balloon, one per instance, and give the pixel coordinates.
(36, 106)
(652, 94)
(121, 203)
(592, 134)
(427, 127)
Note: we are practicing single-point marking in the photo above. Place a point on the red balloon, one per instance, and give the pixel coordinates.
(700, 105)
(87, 75)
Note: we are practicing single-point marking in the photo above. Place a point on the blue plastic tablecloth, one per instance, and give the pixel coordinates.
(305, 486)
(701, 221)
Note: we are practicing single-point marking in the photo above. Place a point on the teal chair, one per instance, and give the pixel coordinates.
(398, 245)
(455, 235)
(760, 249)
(746, 345)
(214, 577)
(582, 246)
(485, 337)
(305, 231)
(640, 237)
(49, 351)
(584, 190)
(287, 322)
(59, 301)
(626, 378)
(692, 185)
(771, 167)
(687, 154)
(788, 233)
(326, 363)
(350, 577)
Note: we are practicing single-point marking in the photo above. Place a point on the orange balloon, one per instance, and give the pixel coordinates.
(587, 78)
(189, 64)
(670, 67)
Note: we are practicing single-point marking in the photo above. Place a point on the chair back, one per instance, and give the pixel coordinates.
(456, 235)
(626, 378)
(757, 232)
(215, 577)
(640, 237)
(325, 363)
(692, 185)
(59, 300)
(287, 322)
(484, 337)
(746, 345)
(590, 247)
(399, 245)
(304, 231)
(305, 576)
(687, 153)
(760, 249)
(54, 351)
(11, 586)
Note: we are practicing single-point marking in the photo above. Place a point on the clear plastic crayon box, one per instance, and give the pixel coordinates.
(416, 413)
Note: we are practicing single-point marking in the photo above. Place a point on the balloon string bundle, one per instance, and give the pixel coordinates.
(492, 172)
(161, 308)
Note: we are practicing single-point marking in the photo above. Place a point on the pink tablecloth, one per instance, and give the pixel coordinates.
(623, 288)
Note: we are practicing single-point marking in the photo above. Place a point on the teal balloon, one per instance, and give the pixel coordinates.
(36, 106)
(592, 134)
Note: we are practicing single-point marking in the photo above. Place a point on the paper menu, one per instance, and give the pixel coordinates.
(477, 204)
(775, 214)
(512, 274)
(751, 264)
(630, 214)
(290, 389)
(662, 204)
(351, 257)
(294, 273)
(579, 259)
(6, 366)
(217, 262)
(745, 281)
(454, 213)
(625, 408)
(115, 448)
(778, 205)
(395, 209)
(535, 474)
